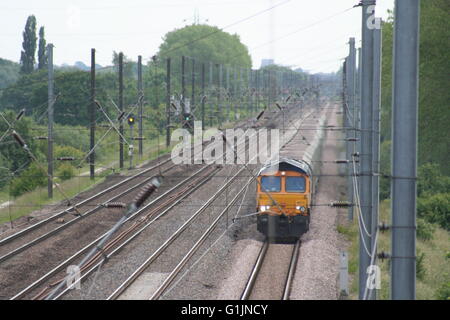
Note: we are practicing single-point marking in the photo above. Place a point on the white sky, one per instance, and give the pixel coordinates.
(136, 27)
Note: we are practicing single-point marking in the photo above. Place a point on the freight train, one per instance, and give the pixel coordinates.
(285, 190)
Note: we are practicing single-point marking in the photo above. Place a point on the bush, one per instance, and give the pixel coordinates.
(425, 230)
(420, 267)
(435, 209)
(443, 293)
(65, 171)
(431, 181)
(29, 180)
(67, 151)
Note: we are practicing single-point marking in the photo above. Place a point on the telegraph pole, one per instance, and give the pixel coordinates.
(219, 96)
(203, 98)
(193, 86)
(211, 111)
(168, 106)
(404, 149)
(376, 136)
(121, 109)
(140, 101)
(91, 113)
(365, 247)
(351, 111)
(183, 85)
(50, 121)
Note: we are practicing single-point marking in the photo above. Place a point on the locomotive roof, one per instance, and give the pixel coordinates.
(300, 165)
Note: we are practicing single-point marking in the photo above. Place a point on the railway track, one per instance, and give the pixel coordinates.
(154, 210)
(145, 216)
(273, 272)
(38, 232)
(144, 268)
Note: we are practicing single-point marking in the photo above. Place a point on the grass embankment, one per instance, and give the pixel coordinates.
(433, 268)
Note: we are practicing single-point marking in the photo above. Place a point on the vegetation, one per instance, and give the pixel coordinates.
(27, 58)
(9, 73)
(205, 43)
(42, 55)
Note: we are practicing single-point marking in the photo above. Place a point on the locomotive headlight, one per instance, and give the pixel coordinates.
(302, 209)
(264, 208)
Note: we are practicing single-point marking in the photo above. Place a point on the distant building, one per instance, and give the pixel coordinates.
(266, 62)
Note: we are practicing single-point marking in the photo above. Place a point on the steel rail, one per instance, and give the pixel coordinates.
(197, 245)
(172, 238)
(291, 271)
(255, 271)
(91, 244)
(132, 237)
(178, 268)
(70, 259)
(57, 215)
(69, 223)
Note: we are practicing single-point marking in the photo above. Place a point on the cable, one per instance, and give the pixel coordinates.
(228, 26)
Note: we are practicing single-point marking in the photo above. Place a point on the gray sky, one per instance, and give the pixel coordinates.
(304, 33)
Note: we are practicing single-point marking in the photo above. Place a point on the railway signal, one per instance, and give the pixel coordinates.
(131, 120)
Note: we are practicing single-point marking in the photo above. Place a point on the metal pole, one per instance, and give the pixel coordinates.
(219, 96)
(140, 100)
(203, 98)
(351, 85)
(168, 103)
(404, 149)
(376, 135)
(91, 112)
(211, 111)
(121, 109)
(193, 86)
(235, 84)
(227, 90)
(365, 247)
(50, 121)
(183, 85)
(130, 148)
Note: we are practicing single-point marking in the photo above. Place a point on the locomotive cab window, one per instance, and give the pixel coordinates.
(295, 184)
(270, 184)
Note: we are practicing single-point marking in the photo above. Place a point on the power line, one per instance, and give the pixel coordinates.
(226, 27)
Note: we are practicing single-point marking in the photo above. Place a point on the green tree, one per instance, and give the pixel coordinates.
(42, 54)
(9, 72)
(27, 58)
(434, 63)
(205, 43)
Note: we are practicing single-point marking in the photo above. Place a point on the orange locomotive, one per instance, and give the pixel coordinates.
(284, 198)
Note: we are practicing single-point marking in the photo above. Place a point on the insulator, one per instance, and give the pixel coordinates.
(146, 191)
(278, 106)
(356, 154)
(21, 113)
(65, 158)
(19, 139)
(341, 204)
(383, 226)
(383, 255)
(114, 205)
(40, 138)
(341, 161)
(120, 116)
(352, 139)
(260, 115)
(288, 98)
(138, 138)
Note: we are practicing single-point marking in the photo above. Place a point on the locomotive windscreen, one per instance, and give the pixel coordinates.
(295, 184)
(270, 184)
